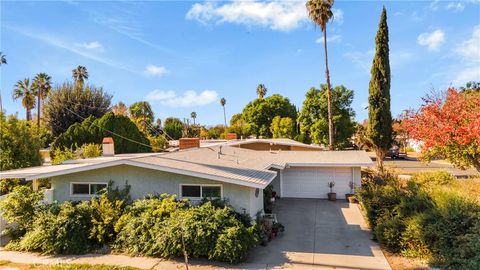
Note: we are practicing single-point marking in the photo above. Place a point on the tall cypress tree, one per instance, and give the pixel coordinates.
(380, 118)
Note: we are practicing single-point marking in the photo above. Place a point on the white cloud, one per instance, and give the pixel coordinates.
(337, 15)
(432, 40)
(187, 99)
(330, 39)
(469, 51)
(434, 5)
(455, 6)
(94, 46)
(275, 14)
(59, 42)
(156, 70)
(363, 60)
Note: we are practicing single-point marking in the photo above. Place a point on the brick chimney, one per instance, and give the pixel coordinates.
(186, 143)
(108, 148)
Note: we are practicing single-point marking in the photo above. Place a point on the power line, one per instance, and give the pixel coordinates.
(111, 132)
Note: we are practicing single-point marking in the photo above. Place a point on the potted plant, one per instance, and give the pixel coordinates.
(332, 196)
(350, 197)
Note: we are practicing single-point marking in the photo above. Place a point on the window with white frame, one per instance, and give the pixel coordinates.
(200, 191)
(86, 189)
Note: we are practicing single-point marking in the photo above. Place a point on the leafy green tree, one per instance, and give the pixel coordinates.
(23, 90)
(379, 115)
(238, 125)
(173, 127)
(20, 144)
(320, 12)
(313, 117)
(79, 75)
(223, 101)
(282, 127)
(67, 105)
(42, 84)
(259, 113)
(126, 135)
(261, 90)
(216, 132)
(141, 113)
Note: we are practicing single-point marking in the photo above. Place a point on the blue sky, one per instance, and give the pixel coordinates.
(183, 56)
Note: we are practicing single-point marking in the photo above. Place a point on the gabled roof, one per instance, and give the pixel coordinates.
(220, 163)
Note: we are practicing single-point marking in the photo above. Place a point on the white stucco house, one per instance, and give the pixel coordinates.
(237, 171)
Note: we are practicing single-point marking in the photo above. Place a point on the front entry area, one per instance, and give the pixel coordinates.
(312, 182)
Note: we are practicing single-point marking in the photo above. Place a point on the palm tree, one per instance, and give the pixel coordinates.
(320, 12)
(41, 85)
(223, 101)
(80, 74)
(261, 90)
(3, 61)
(194, 116)
(23, 90)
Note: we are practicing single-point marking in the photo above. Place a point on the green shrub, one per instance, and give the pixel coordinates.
(234, 243)
(138, 227)
(412, 239)
(59, 156)
(65, 232)
(388, 231)
(90, 150)
(447, 226)
(432, 179)
(105, 213)
(7, 185)
(433, 216)
(19, 208)
(205, 231)
(267, 199)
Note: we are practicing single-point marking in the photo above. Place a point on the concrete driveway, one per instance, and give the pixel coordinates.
(320, 234)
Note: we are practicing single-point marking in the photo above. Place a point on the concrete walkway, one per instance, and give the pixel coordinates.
(318, 235)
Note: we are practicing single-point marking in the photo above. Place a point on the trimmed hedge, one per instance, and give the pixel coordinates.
(427, 217)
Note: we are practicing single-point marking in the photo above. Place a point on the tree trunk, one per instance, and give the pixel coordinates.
(29, 115)
(476, 165)
(38, 108)
(224, 116)
(329, 93)
(380, 155)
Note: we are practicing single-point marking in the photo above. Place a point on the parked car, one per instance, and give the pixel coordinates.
(394, 152)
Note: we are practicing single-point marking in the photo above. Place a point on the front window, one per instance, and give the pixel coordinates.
(87, 189)
(211, 192)
(191, 191)
(201, 191)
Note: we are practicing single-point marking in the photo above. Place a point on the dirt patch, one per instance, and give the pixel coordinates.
(398, 262)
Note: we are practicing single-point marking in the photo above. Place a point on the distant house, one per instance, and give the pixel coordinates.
(235, 170)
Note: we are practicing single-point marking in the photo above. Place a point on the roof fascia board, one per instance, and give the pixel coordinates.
(196, 174)
(329, 164)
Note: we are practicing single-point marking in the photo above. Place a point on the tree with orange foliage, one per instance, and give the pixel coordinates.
(449, 127)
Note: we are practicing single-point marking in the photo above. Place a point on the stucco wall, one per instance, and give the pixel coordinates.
(276, 181)
(147, 181)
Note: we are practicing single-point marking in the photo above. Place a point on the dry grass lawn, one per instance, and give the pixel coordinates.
(6, 265)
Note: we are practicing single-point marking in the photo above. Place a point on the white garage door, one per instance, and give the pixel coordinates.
(312, 182)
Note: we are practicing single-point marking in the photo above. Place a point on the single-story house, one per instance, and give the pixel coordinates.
(217, 171)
